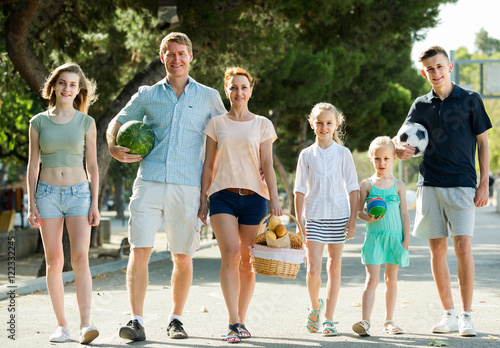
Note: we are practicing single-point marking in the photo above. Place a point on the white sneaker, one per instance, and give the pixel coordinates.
(465, 327)
(60, 335)
(88, 334)
(448, 323)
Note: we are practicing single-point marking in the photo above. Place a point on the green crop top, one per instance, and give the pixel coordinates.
(62, 145)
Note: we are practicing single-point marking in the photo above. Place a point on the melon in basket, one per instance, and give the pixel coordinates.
(137, 136)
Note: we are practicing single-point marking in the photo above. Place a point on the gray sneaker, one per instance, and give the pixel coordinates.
(465, 327)
(448, 323)
(133, 331)
(175, 330)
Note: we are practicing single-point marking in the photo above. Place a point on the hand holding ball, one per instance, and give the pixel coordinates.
(415, 135)
(376, 207)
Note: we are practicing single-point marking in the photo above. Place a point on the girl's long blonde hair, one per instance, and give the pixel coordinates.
(339, 133)
(85, 97)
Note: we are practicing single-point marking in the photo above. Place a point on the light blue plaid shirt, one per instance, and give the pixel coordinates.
(178, 124)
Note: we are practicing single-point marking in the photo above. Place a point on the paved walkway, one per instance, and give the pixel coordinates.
(279, 307)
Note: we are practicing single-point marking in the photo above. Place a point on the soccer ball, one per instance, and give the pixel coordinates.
(415, 135)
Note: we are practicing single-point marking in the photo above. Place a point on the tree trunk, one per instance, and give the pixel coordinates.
(22, 56)
(33, 71)
(118, 198)
(42, 271)
(304, 127)
(154, 72)
(3, 171)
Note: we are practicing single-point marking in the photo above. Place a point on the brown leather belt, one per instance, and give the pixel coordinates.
(242, 192)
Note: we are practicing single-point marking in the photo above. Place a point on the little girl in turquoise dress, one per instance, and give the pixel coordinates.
(387, 236)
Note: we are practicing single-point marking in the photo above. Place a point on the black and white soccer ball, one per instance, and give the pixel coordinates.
(415, 135)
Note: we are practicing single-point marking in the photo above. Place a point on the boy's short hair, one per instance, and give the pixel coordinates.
(180, 38)
(433, 51)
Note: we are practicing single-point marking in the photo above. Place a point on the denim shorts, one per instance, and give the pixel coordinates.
(57, 201)
(248, 209)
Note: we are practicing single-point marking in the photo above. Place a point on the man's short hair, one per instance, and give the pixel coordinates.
(180, 38)
(433, 51)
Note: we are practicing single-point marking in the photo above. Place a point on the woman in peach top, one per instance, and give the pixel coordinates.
(239, 149)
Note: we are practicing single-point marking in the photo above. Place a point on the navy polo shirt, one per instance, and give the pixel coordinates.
(452, 125)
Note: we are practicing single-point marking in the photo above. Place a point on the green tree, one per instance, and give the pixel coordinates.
(486, 44)
(353, 53)
(470, 76)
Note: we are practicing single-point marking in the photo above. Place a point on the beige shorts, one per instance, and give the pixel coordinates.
(176, 205)
(444, 211)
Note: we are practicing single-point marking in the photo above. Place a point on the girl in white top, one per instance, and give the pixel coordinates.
(326, 195)
(238, 151)
(66, 191)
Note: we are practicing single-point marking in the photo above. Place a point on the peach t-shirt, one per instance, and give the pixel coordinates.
(237, 163)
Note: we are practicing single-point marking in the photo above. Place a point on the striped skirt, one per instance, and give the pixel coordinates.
(328, 231)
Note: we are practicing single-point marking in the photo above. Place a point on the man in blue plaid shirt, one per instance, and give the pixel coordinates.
(167, 187)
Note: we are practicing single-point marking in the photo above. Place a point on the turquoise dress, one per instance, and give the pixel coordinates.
(384, 237)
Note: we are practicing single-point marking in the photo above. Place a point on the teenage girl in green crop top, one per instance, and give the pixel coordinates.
(64, 137)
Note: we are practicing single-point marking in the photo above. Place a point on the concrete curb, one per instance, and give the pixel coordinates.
(39, 284)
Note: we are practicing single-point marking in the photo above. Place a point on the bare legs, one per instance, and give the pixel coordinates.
(314, 253)
(371, 283)
(182, 274)
(391, 290)
(51, 231)
(79, 235)
(137, 278)
(138, 275)
(333, 265)
(236, 276)
(441, 272)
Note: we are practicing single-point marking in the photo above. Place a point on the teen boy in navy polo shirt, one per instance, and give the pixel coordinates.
(447, 194)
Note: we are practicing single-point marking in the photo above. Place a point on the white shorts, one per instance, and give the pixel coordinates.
(176, 205)
(444, 211)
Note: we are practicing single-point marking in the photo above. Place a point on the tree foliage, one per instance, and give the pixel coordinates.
(470, 77)
(486, 44)
(353, 53)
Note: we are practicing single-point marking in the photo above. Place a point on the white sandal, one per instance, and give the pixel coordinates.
(362, 328)
(329, 328)
(392, 328)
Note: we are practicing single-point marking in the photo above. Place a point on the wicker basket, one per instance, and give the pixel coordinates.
(266, 264)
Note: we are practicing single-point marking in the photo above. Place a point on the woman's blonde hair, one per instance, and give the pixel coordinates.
(339, 133)
(379, 142)
(85, 97)
(230, 72)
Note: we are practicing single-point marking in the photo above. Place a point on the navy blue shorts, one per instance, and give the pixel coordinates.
(248, 209)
